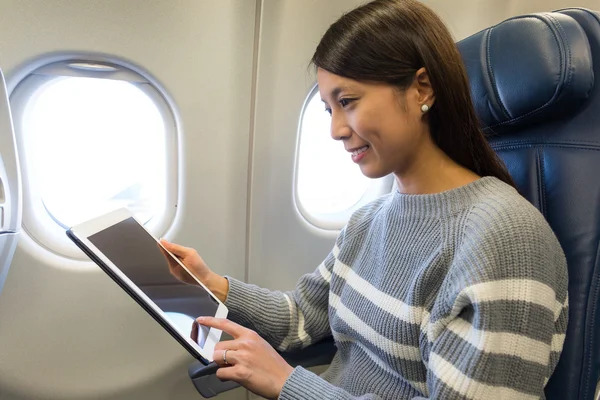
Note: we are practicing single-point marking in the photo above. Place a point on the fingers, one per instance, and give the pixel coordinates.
(228, 344)
(171, 262)
(225, 357)
(166, 254)
(225, 374)
(238, 373)
(179, 251)
(224, 325)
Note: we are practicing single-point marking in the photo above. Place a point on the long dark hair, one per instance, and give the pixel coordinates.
(388, 41)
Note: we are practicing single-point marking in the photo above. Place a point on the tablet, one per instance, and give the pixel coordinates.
(132, 257)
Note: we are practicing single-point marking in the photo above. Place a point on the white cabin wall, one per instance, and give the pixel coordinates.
(67, 333)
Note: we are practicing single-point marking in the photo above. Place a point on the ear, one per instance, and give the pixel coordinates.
(424, 88)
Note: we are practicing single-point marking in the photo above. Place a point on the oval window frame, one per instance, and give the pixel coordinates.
(37, 223)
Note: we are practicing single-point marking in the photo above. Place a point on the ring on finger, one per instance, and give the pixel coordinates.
(225, 356)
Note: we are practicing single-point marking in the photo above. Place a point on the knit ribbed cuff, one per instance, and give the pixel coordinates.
(239, 296)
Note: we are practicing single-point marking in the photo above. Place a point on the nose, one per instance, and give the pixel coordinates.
(339, 127)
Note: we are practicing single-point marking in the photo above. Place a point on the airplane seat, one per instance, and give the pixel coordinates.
(532, 83)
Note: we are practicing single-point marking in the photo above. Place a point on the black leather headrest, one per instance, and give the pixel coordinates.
(526, 69)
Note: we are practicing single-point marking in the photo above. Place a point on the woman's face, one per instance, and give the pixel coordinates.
(382, 128)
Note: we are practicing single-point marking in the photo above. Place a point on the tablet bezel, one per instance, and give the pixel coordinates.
(80, 233)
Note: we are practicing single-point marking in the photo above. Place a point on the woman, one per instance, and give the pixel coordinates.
(452, 286)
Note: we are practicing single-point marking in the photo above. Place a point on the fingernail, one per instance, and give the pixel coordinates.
(200, 319)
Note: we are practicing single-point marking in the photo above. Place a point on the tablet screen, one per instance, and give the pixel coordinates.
(137, 254)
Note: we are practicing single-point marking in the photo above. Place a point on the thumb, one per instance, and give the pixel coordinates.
(179, 251)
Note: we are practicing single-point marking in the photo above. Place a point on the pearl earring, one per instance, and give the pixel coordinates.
(424, 108)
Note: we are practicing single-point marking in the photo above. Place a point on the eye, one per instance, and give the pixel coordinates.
(345, 102)
(328, 110)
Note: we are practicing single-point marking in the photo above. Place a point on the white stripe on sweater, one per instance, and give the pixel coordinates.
(392, 348)
(558, 340)
(503, 343)
(389, 304)
(340, 337)
(288, 339)
(470, 388)
(299, 334)
(525, 290)
(336, 251)
(325, 274)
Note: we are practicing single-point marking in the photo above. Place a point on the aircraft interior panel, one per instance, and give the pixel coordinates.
(235, 75)
(63, 320)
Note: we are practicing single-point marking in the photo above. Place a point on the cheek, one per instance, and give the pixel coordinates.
(388, 129)
(366, 124)
(395, 144)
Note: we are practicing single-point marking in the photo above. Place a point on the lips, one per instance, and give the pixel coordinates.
(358, 150)
(358, 153)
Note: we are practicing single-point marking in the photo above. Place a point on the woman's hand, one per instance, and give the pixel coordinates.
(196, 265)
(251, 361)
(190, 258)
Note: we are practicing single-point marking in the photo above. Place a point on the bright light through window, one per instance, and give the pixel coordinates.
(328, 181)
(94, 145)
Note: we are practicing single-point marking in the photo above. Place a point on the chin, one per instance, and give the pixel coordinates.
(371, 171)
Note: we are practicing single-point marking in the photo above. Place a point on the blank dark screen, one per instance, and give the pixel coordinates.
(131, 248)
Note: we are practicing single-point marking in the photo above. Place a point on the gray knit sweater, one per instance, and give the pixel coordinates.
(456, 295)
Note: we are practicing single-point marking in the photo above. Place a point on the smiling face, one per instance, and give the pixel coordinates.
(383, 128)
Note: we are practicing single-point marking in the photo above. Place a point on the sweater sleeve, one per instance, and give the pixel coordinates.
(287, 320)
(304, 385)
(499, 324)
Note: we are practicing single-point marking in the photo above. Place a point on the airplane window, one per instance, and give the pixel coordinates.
(90, 143)
(95, 145)
(329, 186)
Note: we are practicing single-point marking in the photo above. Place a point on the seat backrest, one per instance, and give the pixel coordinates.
(532, 82)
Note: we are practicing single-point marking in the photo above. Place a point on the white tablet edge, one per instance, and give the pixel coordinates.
(84, 230)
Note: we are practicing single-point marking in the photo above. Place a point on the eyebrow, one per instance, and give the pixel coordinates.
(336, 92)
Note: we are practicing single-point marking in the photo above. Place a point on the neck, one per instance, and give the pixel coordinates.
(432, 171)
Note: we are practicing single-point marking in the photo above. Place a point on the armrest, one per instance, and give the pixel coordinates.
(320, 353)
(208, 385)
(205, 379)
